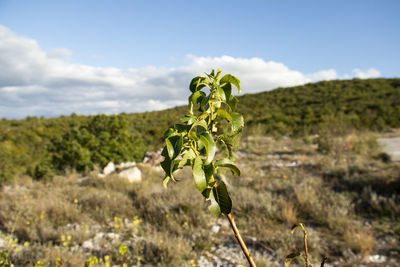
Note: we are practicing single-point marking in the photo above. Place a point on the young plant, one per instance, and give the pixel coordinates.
(291, 257)
(211, 120)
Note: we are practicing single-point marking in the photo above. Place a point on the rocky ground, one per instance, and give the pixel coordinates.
(283, 181)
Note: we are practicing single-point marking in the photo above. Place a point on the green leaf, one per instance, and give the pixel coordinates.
(237, 122)
(231, 79)
(195, 126)
(174, 145)
(211, 76)
(204, 105)
(232, 102)
(227, 90)
(198, 83)
(227, 146)
(170, 148)
(181, 128)
(169, 132)
(189, 119)
(210, 146)
(214, 207)
(221, 93)
(228, 164)
(195, 98)
(187, 157)
(209, 171)
(198, 174)
(223, 113)
(218, 74)
(201, 123)
(167, 164)
(291, 257)
(222, 197)
(206, 193)
(296, 225)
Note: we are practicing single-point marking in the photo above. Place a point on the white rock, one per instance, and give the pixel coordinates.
(215, 228)
(98, 237)
(376, 258)
(88, 244)
(109, 168)
(125, 165)
(113, 236)
(134, 175)
(3, 243)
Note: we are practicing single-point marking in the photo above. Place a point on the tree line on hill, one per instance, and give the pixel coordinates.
(42, 147)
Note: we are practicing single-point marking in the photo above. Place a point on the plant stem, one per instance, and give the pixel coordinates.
(306, 249)
(240, 240)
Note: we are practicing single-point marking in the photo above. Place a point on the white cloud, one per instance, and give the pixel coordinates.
(369, 73)
(330, 74)
(36, 83)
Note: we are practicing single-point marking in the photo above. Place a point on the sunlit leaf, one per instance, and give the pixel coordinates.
(221, 93)
(231, 79)
(218, 74)
(237, 122)
(210, 146)
(199, 175)
(296, 225)
(223, 113)
(174, 145)
(214, 207)
(228, 164)
(187, 157)
(170, 148)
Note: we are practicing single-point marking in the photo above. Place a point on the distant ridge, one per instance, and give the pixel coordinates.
(370, 104)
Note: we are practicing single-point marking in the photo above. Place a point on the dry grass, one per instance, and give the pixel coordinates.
(328, 192)
(360, 240)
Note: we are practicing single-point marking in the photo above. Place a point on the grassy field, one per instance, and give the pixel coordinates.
(344, 190)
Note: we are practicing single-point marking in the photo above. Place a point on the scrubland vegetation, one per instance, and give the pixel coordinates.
(27, 146)
(347, 198)
(308, 154)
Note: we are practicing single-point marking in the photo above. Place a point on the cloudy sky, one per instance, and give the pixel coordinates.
(93, 56)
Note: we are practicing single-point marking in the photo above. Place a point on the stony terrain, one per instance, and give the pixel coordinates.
(391, 146)
(347, 197)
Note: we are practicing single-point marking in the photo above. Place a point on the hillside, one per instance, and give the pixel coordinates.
(28, 146)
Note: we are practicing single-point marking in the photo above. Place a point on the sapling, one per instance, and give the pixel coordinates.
(211, 120)
(296, 255)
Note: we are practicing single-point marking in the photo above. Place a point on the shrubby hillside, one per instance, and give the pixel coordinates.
(41, 147)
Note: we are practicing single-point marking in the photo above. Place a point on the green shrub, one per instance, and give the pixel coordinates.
(101, 140)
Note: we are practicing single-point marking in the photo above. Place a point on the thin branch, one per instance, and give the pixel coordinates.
(240, 240)
(323, 261)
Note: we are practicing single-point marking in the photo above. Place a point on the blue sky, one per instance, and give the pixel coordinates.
(160, 45)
